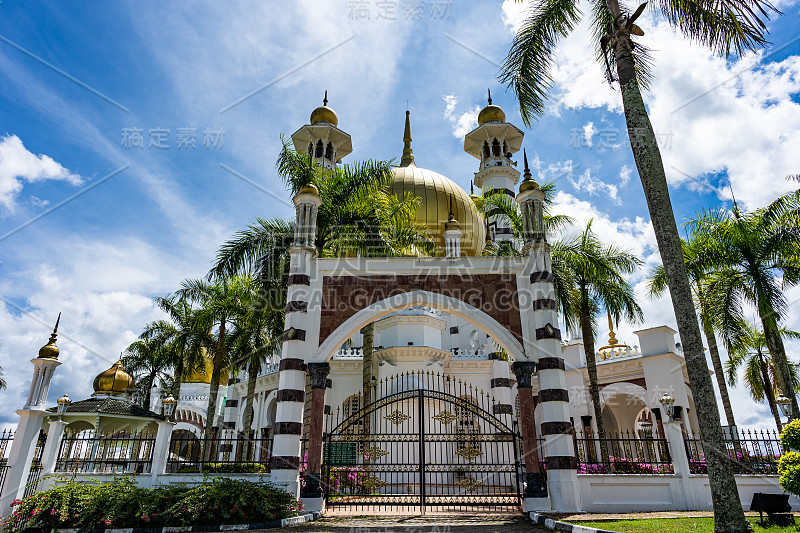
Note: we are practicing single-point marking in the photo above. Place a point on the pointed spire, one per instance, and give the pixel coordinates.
(525, 157)
(612, 337)
(490, 96)
(528, 182)
(325, 100)
(50, 350)
(408, 154)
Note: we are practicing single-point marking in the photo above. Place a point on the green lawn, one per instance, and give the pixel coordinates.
(676, 525)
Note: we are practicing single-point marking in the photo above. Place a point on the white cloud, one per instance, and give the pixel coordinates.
(462, 123)
(17, 164)
(595, 186)
(588, 132)
(624, 175)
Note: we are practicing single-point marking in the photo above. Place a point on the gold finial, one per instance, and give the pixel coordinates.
(490, 96)
(612, 337)
(50, 350)
(408, 154)
(528, 183)
(325, 100)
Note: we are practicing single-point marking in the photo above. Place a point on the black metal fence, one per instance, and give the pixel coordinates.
(622, 453)
(36, 466)
(750, 451)
(221, 451)
(6, 438)
(121, 452)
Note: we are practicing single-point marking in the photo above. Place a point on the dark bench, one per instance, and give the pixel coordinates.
(775, 505)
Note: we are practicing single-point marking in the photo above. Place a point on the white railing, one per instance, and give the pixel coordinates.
(270, 367)
(622, 352)
(349, 352)
(468, 353)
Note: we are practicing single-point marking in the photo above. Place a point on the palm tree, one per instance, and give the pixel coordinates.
(218, 304)
(181, 341)
(597, 271)
(760, 372)
(697, 274)
(725, 26)
(146, 358)
(753, 258)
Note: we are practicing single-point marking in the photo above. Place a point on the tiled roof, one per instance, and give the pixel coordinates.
(109, 406)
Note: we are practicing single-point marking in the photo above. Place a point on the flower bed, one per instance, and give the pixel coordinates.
(619, 465)
(121, 504)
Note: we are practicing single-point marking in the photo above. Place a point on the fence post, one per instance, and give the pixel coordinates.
(161, 450)
(51, 446)
(23, 448)
(680, 462)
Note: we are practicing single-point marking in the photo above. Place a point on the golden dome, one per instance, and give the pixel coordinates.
(203, 374)
(528, 183)
(115, 380)
(491, 113)
(436, 192)
(50, 350)
(309, 189)
(324, 113)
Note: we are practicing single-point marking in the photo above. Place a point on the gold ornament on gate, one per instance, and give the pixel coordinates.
(445, 417)
(470, 483)
(374, 453)
(373, 482)
(396, 417)
(469, 452)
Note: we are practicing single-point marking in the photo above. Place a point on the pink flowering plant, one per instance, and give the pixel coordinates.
(121, 504)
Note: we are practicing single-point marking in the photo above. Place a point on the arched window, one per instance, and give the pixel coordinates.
(320, 148)
(496, 148)
(329, 152)
(486, 149)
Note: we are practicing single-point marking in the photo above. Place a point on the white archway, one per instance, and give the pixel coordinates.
(380, 309)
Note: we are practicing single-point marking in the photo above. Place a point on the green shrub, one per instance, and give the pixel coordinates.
(121, 504)
(789, 463)
(236, 468)
(790, 435)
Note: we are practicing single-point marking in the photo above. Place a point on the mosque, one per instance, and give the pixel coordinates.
(471, 380)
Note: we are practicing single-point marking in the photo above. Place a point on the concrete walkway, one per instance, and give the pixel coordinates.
(420, 524)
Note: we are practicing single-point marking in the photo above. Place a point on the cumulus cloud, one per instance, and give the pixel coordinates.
(462, 123)
(18, 165)
(588, 132)
(593, 185)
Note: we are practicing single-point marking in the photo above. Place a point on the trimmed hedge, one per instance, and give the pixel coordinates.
(121, 504)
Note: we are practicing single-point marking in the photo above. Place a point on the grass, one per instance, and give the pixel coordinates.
(676, 525)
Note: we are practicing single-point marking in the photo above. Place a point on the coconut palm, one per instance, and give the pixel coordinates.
(597, 270)
(752, 258)
(727, 26)
(218, 303)
(760, 372)
(657, 285)
(146, 359)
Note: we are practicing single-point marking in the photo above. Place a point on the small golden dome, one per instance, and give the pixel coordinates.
(203, 373)
(50, 350)
(528, 183)
(451, 223)
(309, 189)
(115, 380)
(324, 113)
(491, 113)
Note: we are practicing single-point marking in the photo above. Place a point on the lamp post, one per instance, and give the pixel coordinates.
(168, 405)
(785, 406)
(669, 405)
(63, 403)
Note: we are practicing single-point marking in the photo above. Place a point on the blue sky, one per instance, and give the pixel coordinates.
(100, 257)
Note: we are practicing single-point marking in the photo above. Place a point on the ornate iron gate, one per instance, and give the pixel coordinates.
(427, 442)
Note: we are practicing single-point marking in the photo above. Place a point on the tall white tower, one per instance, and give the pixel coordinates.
(322, 139)
(493, 142)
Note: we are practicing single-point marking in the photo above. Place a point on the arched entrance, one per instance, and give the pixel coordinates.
(427, 443)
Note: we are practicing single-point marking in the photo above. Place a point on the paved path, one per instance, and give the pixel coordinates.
(420, 524)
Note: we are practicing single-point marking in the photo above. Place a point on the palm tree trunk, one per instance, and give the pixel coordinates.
(252, 374)
(214, 390)
(768, 391)
(728, 513)
(713, 350)
(778, 352)
(594, 386)
(367, 372)
(146, 400)
(177, 379)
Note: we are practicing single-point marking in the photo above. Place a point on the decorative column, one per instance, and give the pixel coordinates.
(543, 343)
(312, 492)
(534, 482)
(288, 426)
(501, 385)
(161, 450)
(31, 418)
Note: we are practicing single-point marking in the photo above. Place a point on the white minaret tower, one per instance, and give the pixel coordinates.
(31, 418)
(493, 142)
(322, 139)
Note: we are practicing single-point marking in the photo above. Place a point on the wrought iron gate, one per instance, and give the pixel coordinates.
(427, 442)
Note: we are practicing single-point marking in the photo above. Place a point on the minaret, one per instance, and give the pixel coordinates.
(493, 142)
(43, 367)
(322, 139)
(452, 235)
(531, 203)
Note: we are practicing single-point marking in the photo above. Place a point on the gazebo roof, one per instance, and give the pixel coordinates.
(109, 406)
